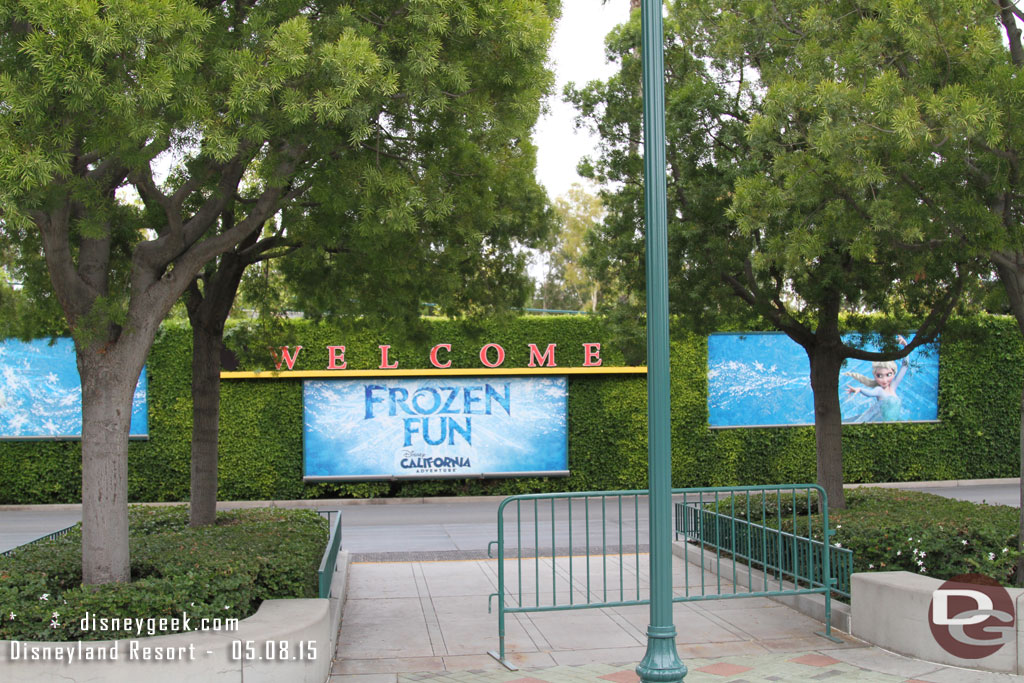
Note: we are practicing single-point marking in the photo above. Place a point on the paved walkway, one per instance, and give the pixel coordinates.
(428, 620)
(416, 612)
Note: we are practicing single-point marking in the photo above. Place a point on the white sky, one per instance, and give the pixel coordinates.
(577, 55)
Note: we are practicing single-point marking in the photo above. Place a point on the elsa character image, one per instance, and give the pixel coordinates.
(882, 386)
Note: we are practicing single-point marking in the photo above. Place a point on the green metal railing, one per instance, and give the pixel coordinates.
(568, 551)
(47, 537)
(563, 533)
(330, 558)
(731, 538)
(780, 554)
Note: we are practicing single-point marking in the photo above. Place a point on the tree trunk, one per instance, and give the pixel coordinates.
(109, 378)
(206, 348)
(826, 361)
(1010, 267)
(1020, 503)
(207, 312)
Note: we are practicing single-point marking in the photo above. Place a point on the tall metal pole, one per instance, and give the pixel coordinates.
(661, 662)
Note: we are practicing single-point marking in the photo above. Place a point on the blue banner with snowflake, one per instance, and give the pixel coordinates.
(763, 380)
(421, 428)
(41, 392)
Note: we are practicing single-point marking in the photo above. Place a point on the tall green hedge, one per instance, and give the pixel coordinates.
(980, 381)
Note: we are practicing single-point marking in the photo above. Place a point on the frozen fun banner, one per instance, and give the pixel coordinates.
(418, 428)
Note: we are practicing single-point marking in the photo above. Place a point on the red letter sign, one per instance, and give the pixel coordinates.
(333, 356)
(488, 363)
(285, 356)
(433, 356)
(384, 365)
(591, 353)
(548, 358)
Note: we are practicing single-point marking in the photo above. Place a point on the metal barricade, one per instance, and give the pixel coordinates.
(781, 555)
(583, 550)
(563, 533)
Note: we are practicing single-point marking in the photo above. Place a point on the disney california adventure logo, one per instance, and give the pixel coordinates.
(971, 616)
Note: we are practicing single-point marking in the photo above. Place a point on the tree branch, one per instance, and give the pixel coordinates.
(266, 205)
(1003, 259)
(74, 295)
(142, 179)
(1007, 12)
(180, 236)
(925, 334)
(775, 314)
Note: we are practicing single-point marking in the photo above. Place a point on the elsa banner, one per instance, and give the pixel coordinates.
(421, 428)
(763, 379)
(41, 392)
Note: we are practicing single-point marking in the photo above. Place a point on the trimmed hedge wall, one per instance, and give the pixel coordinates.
(980, 381)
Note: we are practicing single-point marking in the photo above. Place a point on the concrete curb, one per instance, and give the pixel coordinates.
(891, 610)
(811, 605)
(291, 640)
(936, 484)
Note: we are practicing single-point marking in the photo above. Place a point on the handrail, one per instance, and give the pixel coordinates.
(330, 557)
(841, 559)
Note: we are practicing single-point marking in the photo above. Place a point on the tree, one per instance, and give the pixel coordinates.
(990, 161)
(458, 199)
(938, 104)
(567, 282)
(786, 192)
(248, 103)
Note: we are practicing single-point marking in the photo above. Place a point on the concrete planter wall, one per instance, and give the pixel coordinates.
(255, 653)
(890, 610)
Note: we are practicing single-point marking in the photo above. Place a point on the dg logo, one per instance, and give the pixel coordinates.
(971, 616)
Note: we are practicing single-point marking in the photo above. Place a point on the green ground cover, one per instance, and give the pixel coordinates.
(892, 530)
(213, 573)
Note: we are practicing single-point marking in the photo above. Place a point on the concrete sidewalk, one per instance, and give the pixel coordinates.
(412, 621)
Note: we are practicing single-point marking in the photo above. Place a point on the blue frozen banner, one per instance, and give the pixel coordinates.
(763, 379)
(41, 392)
(420, 428)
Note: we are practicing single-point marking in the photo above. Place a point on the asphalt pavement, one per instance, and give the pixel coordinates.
(455, 528)
(993, 494)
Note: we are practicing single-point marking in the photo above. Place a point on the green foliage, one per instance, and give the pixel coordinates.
(223, 571)
(568, 282)
(980, 381)
(319, 113)
(703, 140)
(890, 530)
(790, 193)
(434, 200)
(822, 162)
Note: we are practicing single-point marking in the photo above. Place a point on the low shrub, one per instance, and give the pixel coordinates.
(214, 573)
(893, 529)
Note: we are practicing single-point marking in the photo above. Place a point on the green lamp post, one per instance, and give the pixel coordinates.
(661, 662)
